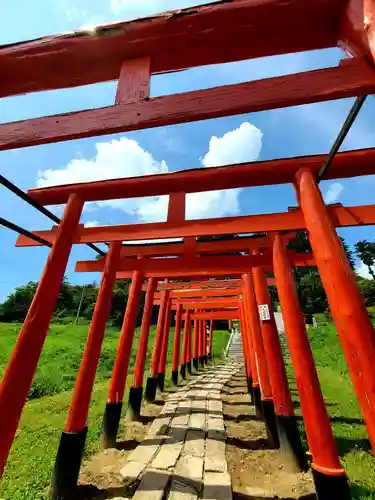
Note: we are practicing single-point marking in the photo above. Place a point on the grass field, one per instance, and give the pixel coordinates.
(349, 431)
(33, 453)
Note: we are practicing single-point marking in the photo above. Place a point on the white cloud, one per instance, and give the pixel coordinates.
(237, 146)
(334, 191)
(124, 157)
(92, 223)
(362, 270)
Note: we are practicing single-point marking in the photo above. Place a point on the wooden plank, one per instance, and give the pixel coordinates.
(287, 221)
(172, 275)
(217, 265)
(134, 81)
(261, 173)
(207, 34)
(344, 81)
(203, 285)
(357, 29)
(223, 315)
(183, 294)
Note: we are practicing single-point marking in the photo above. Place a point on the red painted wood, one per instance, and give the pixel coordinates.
(341, 216)
(177, 339)
(209, 294)
(274, 356)
(348, 310)
(206, 285)
(79, 406)
(18, 376)
(260, 173)
(134, 81)
(318, 429)
(207, 34)
(120, 368)
(347, 80)
(166, 332)
(357, 30)
(196, 338)
(244, 329)
(154, 369)
(187, 333)
(225, 315)
(140, 360)
(211, 337)
(176, 208)
(258, 348)
(210, 305)
(200, 339)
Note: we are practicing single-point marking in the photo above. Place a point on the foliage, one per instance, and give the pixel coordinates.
(17, 304)
(30, 464)
(366, 252)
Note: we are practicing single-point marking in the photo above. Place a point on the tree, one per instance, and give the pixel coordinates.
(366, 252)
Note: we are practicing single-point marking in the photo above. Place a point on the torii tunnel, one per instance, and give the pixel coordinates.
(205, 280)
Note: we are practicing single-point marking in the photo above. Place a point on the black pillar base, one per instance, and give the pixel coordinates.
(290, 444)
(330, 487)
(67, 465)
(250, 389)
(201, 360)
(175, 377)
(160, 381)
(111, 422)
(205, 359)
(257, 402)
(183, 371)
(135, 401)
(196, 363)
(188, 366)
(269, 418)
(150, 392)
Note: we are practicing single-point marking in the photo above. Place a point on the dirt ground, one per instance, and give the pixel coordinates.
(100, 475)
(257, 472)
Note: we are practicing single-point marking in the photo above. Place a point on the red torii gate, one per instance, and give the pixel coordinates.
(134, 52)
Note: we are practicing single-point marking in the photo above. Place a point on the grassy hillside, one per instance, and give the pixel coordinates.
(33, 453)
(348, 427)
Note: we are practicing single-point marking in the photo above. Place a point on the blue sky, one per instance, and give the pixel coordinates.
(289, 132)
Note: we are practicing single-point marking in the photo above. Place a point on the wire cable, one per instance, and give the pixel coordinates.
(43, 210)
(18, 229)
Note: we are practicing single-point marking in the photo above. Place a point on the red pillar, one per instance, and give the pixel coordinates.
(318, 429)
(150, 392)
(211, 337)
(176, 346)
(164, 349)
(72, 442)
(113, 407)
(348, 310)
(136, 390)
(245, 345)
(189, 348)
(201, 340)
(196, 345)
(185, 347)
(290, 442)
(17, 379)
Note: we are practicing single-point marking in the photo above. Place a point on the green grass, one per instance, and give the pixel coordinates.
(346, 420)
(32, 456)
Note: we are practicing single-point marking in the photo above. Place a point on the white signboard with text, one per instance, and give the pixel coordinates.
(264, 312)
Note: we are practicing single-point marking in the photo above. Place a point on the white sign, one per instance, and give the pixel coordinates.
(264, 312)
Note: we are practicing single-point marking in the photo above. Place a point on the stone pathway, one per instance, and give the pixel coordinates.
(235, 351)
(183, 454)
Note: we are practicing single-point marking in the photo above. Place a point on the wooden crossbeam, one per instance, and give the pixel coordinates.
(203, 285)
(207, 34)
(288, 221)
(218, 315)
(354, 77)
(182, 294)
(261, 173)
(225, 265)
